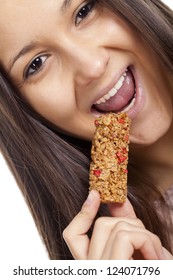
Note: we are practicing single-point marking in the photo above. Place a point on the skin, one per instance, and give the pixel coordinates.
(77, 65)
(112, 235)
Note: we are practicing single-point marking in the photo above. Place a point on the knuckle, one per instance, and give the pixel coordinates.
(121, 225)
(66, 234)
(100, 222)
(156, 239)
(139, 223)
(122, 235)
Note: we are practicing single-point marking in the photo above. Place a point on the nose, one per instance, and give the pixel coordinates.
(88, 62)
(91, 65)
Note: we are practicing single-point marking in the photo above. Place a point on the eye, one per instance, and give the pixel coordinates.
(35, 66)
(84, 11)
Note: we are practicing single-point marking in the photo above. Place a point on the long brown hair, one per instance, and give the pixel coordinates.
(52, 169)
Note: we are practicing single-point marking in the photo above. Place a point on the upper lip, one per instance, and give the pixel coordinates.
(106, 89)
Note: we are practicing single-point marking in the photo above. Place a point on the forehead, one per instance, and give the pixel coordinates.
(18, 14)
(24, 20)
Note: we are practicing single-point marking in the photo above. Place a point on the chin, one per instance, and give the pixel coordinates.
(148, 137)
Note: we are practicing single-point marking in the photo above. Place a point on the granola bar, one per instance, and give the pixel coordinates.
(109, 154)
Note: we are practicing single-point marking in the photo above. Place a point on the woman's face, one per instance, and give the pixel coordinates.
(74, 60)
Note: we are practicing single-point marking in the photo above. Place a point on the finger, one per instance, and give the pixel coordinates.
(122, 225)
(126, 243)
(122, 209)
(147, 243)
(104, 231)
(167, 255)
(75, 234)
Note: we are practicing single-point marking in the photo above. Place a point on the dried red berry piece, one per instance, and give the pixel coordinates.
(125, 171)
(96, 122)
(126, 138)
(118, 154)
(97, 172)
(124, 150)
(121, 157)
(121, 121)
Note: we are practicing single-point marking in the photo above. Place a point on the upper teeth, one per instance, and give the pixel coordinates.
(113, 91)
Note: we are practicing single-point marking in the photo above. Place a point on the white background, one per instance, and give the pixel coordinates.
(18, 235)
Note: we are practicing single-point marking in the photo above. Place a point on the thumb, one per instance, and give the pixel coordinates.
(75, 235)
(122, 209)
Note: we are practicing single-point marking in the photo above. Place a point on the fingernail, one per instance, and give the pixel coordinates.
(89, 199)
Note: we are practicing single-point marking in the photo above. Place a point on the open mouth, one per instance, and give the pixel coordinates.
(121, 98)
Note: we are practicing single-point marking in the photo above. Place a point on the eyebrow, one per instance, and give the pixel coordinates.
(65, 5)
(31, 46)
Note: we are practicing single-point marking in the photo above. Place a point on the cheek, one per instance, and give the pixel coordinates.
(149, 133)
(51, 100)
(153, 122)
(119, 34)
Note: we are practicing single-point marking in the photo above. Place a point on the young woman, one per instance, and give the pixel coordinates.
(63, 63)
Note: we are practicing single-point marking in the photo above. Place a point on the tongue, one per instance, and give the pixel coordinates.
(122, 97)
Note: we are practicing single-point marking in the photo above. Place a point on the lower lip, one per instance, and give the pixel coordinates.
(139, 98)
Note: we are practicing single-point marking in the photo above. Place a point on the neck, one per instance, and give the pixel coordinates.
(156, 161)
